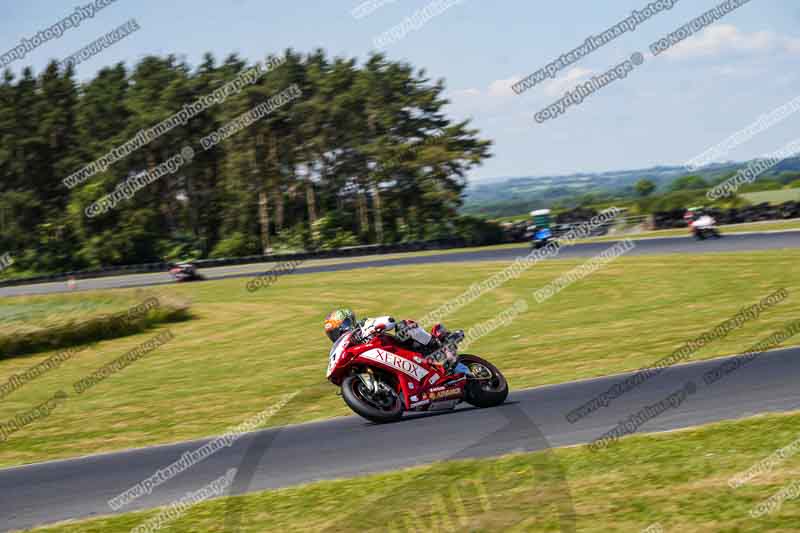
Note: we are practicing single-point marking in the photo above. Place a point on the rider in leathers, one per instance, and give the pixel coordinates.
(440, 344)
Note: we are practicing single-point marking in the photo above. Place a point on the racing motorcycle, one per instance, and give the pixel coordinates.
(381, 378)
(541, 234)
(185, 272)
(541, 237)
(705, 227)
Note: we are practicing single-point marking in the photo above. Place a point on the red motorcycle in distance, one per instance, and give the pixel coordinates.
(185, 272)
(380, 379)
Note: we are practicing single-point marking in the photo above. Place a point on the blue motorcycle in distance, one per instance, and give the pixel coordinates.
(541, 232)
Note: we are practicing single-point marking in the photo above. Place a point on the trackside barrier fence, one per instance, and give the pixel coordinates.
(350, 251)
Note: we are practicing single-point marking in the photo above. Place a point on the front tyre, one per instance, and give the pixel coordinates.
(364, 403)
(488, 387)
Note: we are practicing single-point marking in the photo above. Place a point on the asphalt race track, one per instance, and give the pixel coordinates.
(665, 245)
(345, 447)
(350, 446)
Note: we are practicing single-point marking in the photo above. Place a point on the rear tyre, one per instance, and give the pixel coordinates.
(489, 392)
(360, 400)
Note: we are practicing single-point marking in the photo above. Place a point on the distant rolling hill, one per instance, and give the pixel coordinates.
(514, 195)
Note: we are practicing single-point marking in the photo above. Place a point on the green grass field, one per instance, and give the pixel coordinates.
(772, 197)
(243, 350)
(33, 324)
(772, 225)
(678, 480)
(33, 313)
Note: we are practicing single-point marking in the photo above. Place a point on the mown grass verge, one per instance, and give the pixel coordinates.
(678, 481)
(243, 350)
(38, 324)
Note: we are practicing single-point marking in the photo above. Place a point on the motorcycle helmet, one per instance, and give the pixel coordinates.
(338, 322)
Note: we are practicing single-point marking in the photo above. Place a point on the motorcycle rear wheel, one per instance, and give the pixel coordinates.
(489, 392)
(357, 398)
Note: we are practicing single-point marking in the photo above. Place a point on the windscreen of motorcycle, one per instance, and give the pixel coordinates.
(337, 350)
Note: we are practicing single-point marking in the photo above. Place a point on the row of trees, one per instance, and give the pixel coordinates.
(365, 155)
(691, 190)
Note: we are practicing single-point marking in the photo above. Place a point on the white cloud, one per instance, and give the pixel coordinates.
(562, 84)
(498, 96)
(725, 38)
(502, 88)
(554, 87)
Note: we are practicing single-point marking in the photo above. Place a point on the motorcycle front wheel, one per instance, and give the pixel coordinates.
(363, 403)
(488, 387)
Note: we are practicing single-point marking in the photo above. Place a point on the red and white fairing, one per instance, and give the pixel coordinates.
(419, 379)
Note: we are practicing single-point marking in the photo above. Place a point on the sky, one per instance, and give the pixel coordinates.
(668, 110)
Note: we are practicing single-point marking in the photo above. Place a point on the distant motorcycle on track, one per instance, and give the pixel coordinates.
(185, 272)
(701, 225)
(541, 234)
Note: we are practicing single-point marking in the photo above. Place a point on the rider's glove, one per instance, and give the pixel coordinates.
(439, 332)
